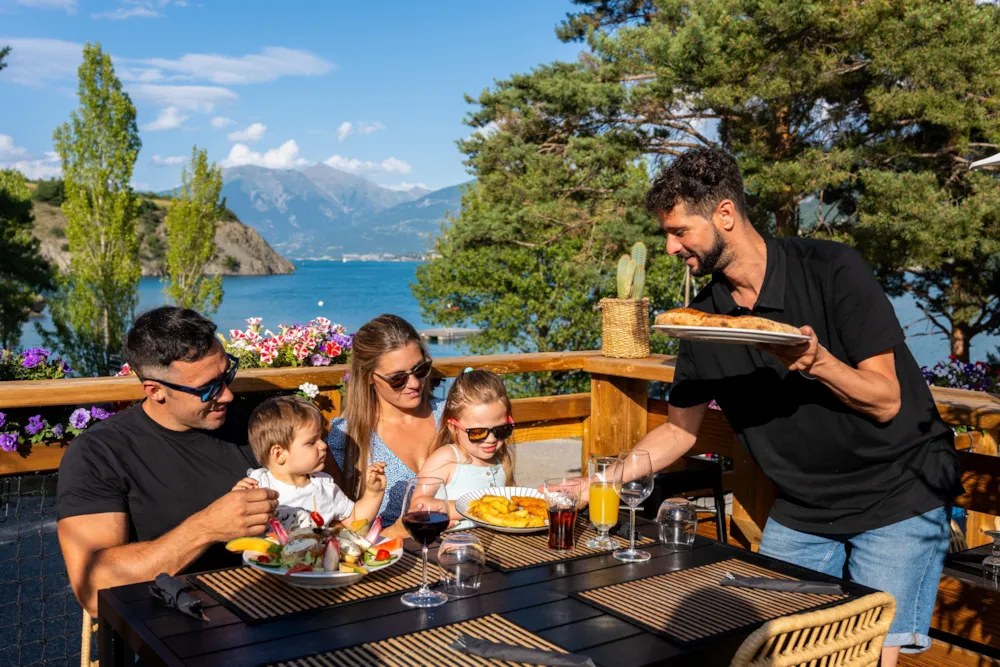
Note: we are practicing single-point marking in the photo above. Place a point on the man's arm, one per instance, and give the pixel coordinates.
(872, 388)
(97, 555)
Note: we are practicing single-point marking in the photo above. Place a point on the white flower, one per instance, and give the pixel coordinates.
(309, 389)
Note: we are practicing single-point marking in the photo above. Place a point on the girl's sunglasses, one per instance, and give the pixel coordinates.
(397, 381)
(480, 433)
(209, 391)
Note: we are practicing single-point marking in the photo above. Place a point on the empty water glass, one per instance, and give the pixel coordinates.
(463, 561)
(677, 521)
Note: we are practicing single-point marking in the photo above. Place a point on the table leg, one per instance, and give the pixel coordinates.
(112, 649)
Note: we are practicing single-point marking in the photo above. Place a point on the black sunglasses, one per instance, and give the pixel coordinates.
(397, 381)
(480, 433)
(209, 391)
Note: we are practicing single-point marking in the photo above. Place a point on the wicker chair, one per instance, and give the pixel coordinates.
(848, 635)
(89, 628)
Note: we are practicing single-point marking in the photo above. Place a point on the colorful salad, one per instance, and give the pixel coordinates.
(320, 549)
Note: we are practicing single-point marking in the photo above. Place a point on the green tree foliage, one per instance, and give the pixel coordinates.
(929, 225)
(98, 147)
(190, 224)
(24, 273)
(50, 191)
(4, 52)
(558, 199)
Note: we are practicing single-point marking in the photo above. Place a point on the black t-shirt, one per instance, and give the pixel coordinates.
(158, 477)
(836, 470)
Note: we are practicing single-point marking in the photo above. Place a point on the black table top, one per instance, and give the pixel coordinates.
(536, 599)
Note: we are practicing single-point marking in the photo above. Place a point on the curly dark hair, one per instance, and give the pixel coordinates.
(701, 178)
(167, 334)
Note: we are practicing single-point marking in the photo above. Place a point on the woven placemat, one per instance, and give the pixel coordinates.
(428, 648)
(255, 596)
(690, 606)
(509, 553)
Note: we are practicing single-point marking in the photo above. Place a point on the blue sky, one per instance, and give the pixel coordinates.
(375, 88)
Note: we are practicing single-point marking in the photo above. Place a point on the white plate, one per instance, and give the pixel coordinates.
(727, 335)
(462, 505)
(321, 580)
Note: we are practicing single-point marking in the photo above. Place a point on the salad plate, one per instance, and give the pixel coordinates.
(320, 558)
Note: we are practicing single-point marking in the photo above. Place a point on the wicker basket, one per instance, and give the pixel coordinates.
(625, 330)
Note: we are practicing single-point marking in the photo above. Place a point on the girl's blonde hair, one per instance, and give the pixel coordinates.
(384, 334)
(477, 388)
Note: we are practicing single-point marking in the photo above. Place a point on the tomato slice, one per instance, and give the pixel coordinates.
(382, 555)
(317, 519)
(299, 567)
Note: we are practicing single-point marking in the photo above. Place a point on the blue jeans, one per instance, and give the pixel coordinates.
(904, 559)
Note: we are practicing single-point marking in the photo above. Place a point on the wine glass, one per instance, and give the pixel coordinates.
(991, 564)
(425, 517)
(634, 483)
(603, 500)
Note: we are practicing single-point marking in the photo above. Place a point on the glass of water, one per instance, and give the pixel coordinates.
(633, 483)
(677, 521)
(991, 564)
(463, 560)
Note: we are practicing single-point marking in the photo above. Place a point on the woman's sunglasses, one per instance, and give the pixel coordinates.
(209, 391)
(397, 381)
(480, 433)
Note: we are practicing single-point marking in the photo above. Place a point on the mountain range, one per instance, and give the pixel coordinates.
(323, 212)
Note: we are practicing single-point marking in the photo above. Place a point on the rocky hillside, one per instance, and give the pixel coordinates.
(242, 251)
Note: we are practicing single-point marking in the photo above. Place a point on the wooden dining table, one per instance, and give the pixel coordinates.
(539, 599)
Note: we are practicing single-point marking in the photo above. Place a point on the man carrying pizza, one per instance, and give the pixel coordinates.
(844, 424)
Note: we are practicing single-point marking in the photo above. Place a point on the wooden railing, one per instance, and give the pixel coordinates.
(611, 418)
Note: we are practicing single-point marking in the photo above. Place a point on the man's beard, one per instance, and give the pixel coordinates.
(714, 259)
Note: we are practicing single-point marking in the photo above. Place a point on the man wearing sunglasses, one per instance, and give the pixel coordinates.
(148, 490)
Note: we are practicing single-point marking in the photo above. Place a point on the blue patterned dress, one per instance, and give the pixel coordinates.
(396, 472)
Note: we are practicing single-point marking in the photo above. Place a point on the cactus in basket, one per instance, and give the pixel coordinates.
(632, 273)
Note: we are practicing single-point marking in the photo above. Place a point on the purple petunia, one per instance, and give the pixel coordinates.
(57, 431)
(343, 340)
(100, 414)
(319, 360)
(31, 360)
(8, 442)
(79, 418)
(35, 424)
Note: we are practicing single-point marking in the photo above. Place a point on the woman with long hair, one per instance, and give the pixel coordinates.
(389, 413)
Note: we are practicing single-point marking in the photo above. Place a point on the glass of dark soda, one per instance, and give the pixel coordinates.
(562, 495)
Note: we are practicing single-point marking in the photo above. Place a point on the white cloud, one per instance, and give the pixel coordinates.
(345, 130)
(486, 131)
(285, 156)
(68, 5)
(220, 122)
(271, 63)
(122, 13)
(202, 99)
(169, 119)
(254, 132)
(172, 161)
(389, 165)
(32, 62)
(7, 148)
(370, 128)
(404, 186)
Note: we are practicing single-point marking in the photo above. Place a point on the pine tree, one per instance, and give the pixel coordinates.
(98, 147)
(24, 273)
(190, 223)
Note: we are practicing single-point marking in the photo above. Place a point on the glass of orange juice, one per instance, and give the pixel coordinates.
(603, 500)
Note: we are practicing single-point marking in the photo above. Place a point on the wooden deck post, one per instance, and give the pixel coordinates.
(617, 415)
(978, 523)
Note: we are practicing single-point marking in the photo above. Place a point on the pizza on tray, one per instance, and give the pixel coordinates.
(689, 317)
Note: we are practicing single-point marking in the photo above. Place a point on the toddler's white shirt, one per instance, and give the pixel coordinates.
(295, 502)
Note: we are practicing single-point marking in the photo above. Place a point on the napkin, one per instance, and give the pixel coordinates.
(532, 656)
(174, 593)
(815, 587)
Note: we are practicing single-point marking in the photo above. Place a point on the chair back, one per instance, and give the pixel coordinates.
(847, 635)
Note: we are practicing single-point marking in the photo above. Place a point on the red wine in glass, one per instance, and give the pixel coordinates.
(425, 527)
(561, 525)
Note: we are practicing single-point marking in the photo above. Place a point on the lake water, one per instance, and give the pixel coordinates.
(352, 293)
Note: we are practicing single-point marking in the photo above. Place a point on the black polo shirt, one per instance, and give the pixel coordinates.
(836, 470)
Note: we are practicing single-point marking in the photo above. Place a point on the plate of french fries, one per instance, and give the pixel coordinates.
(508, 509)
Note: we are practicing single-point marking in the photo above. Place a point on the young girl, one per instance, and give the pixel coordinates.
(472, 448)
